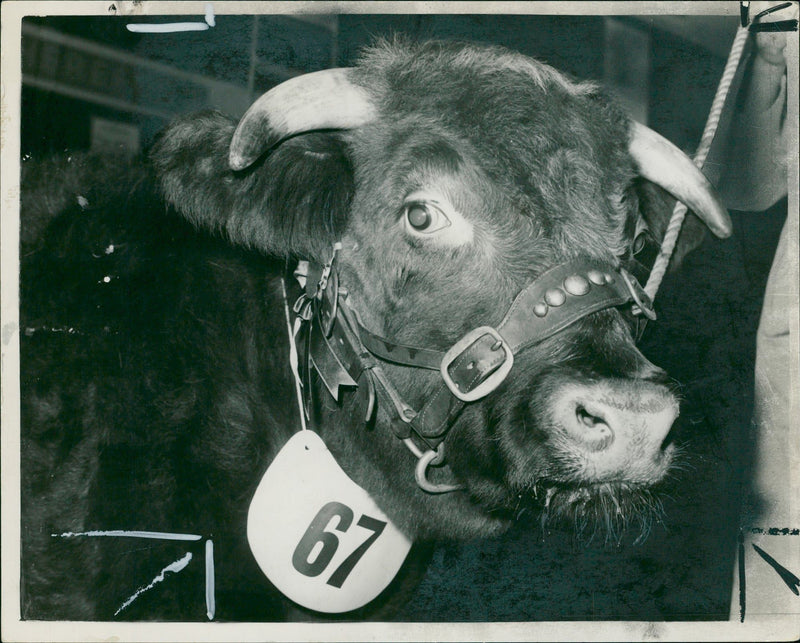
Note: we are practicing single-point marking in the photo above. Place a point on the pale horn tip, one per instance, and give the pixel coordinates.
(725, 229)
(666, 165)
(238, 162)
(248, 144)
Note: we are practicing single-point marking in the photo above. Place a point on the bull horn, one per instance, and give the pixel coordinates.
(325, 99)
(666, 165)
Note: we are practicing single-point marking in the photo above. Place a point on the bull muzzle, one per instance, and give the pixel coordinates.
(616, 428)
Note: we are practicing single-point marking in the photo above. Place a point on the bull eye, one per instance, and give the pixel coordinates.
(641, 235)
(419, 217)
(430, 220)
(425, 218)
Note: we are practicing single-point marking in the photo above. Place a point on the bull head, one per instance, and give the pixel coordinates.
(455, 176)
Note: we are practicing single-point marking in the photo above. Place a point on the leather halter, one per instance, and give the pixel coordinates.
(343, 351)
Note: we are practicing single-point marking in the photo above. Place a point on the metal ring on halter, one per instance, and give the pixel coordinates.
(643, 305)
(420, 473)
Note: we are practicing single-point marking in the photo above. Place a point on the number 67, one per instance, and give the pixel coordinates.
(330, 542)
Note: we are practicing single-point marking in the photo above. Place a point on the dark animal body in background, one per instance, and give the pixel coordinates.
(155, 381)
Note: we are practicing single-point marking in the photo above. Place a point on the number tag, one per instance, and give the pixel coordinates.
(318, 536)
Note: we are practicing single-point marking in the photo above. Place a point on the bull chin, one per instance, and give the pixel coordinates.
(608, 513)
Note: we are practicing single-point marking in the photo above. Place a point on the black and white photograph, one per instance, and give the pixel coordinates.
(410, 321)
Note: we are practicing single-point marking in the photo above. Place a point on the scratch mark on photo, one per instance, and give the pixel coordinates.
(792, 581)
(172, 27)
(210, 600)
(119, 533)
(742, 580)
(175, 567)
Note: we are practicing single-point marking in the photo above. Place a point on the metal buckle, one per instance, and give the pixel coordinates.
(328, 303)
(327, 293)
(490, 383)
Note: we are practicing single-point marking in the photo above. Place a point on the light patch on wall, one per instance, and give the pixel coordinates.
(114, 137)
(626, 67)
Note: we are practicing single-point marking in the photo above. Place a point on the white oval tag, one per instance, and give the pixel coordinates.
(318, 536)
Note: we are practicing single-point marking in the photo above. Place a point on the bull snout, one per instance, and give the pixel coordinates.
(616, 430)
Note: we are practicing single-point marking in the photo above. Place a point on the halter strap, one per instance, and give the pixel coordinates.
(342, 349)
(476, 364)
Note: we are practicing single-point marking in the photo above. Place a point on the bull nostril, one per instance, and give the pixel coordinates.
(668, 441)
(652, 373)
(591, 428)
(588, 419)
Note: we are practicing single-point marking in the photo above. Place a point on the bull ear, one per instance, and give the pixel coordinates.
(670, 174)
(655, 210)
(294, 200)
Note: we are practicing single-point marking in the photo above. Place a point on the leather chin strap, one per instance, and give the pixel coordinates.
(343, 352)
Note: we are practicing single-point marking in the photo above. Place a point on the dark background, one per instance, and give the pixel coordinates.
(708, 309)
(687, 55)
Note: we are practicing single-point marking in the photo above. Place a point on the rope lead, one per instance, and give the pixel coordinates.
(679, 212)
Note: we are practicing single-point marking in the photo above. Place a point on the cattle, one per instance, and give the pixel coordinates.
(449, 230)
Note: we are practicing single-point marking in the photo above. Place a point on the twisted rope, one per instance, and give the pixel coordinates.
(679, 212)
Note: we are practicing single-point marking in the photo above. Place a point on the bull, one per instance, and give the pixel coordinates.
(464, 220)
